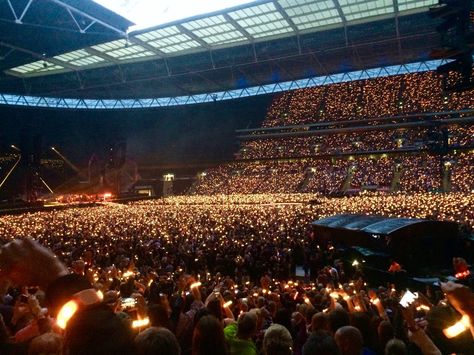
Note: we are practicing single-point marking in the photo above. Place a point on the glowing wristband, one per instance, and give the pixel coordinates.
(82, 298)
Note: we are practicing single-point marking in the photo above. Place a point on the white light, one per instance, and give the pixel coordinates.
(149, 13)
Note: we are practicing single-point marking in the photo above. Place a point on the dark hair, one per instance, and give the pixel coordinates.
(158, 316)
(157, 341)
(208, 337)
(97, 330)
(338, 318)
(321, 343)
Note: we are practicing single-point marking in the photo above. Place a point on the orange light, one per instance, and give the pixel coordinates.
(140, 323)
(195, 284)
(422, 307)
(462, 275)
(66, 313)
(458, 328)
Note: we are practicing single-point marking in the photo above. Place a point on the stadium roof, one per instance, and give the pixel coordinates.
(263, 42)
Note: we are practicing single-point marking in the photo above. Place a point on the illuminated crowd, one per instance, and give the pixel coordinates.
(406, 173)
(401, 94)
(232, 257)
(216, 272)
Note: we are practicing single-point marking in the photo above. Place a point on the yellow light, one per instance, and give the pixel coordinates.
(458, 328)
(140, 323)
(227, 304)
(375, 301)
(422, 307)
(195, 284)
(66, 313)
(127, 274)
(100, 294)
(355, 263)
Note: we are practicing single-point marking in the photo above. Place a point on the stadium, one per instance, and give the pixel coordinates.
(257, 177)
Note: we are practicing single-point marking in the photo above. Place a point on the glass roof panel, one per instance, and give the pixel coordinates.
(39, 66)
(362, 9)
(79, 58)
(262, 20)
(253, 11)
(159, 33)
(121, 49)
(415, 4)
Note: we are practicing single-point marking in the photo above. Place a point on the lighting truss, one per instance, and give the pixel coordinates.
(103, 104)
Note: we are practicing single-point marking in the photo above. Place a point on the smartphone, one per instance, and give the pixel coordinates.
(128, 303)
(408, 298)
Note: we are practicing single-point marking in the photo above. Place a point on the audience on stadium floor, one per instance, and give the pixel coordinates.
(174, 294)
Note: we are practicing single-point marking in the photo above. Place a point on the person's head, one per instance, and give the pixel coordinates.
(78, 266)
(157, 341)
(112, 299)
(283, 317)
(215, 308)
(320, 321)
(395, 347)
(158, 315)
(361, 321)
(277, 341)
(321, 343)
(385, 332)
(247, 325)
(208, 337)
(47, 343)
(338, 318)
(97, 330)
(349, 340)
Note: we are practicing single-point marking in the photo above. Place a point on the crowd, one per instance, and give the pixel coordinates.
(461, 166)
(216, 272)
(407, 172)
(213, 274)
(401, 94)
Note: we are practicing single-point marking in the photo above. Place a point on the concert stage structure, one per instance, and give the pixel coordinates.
(421, 246)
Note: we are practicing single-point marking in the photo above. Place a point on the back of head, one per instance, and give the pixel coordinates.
(338, 318)
(395, 347)
(157, 341)
(48, 343)
(158, 316)
(97, 330)
(319, 321)
(349, 340)
(277, 341)
(208, 337)
(321, 343)
(247, 325)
